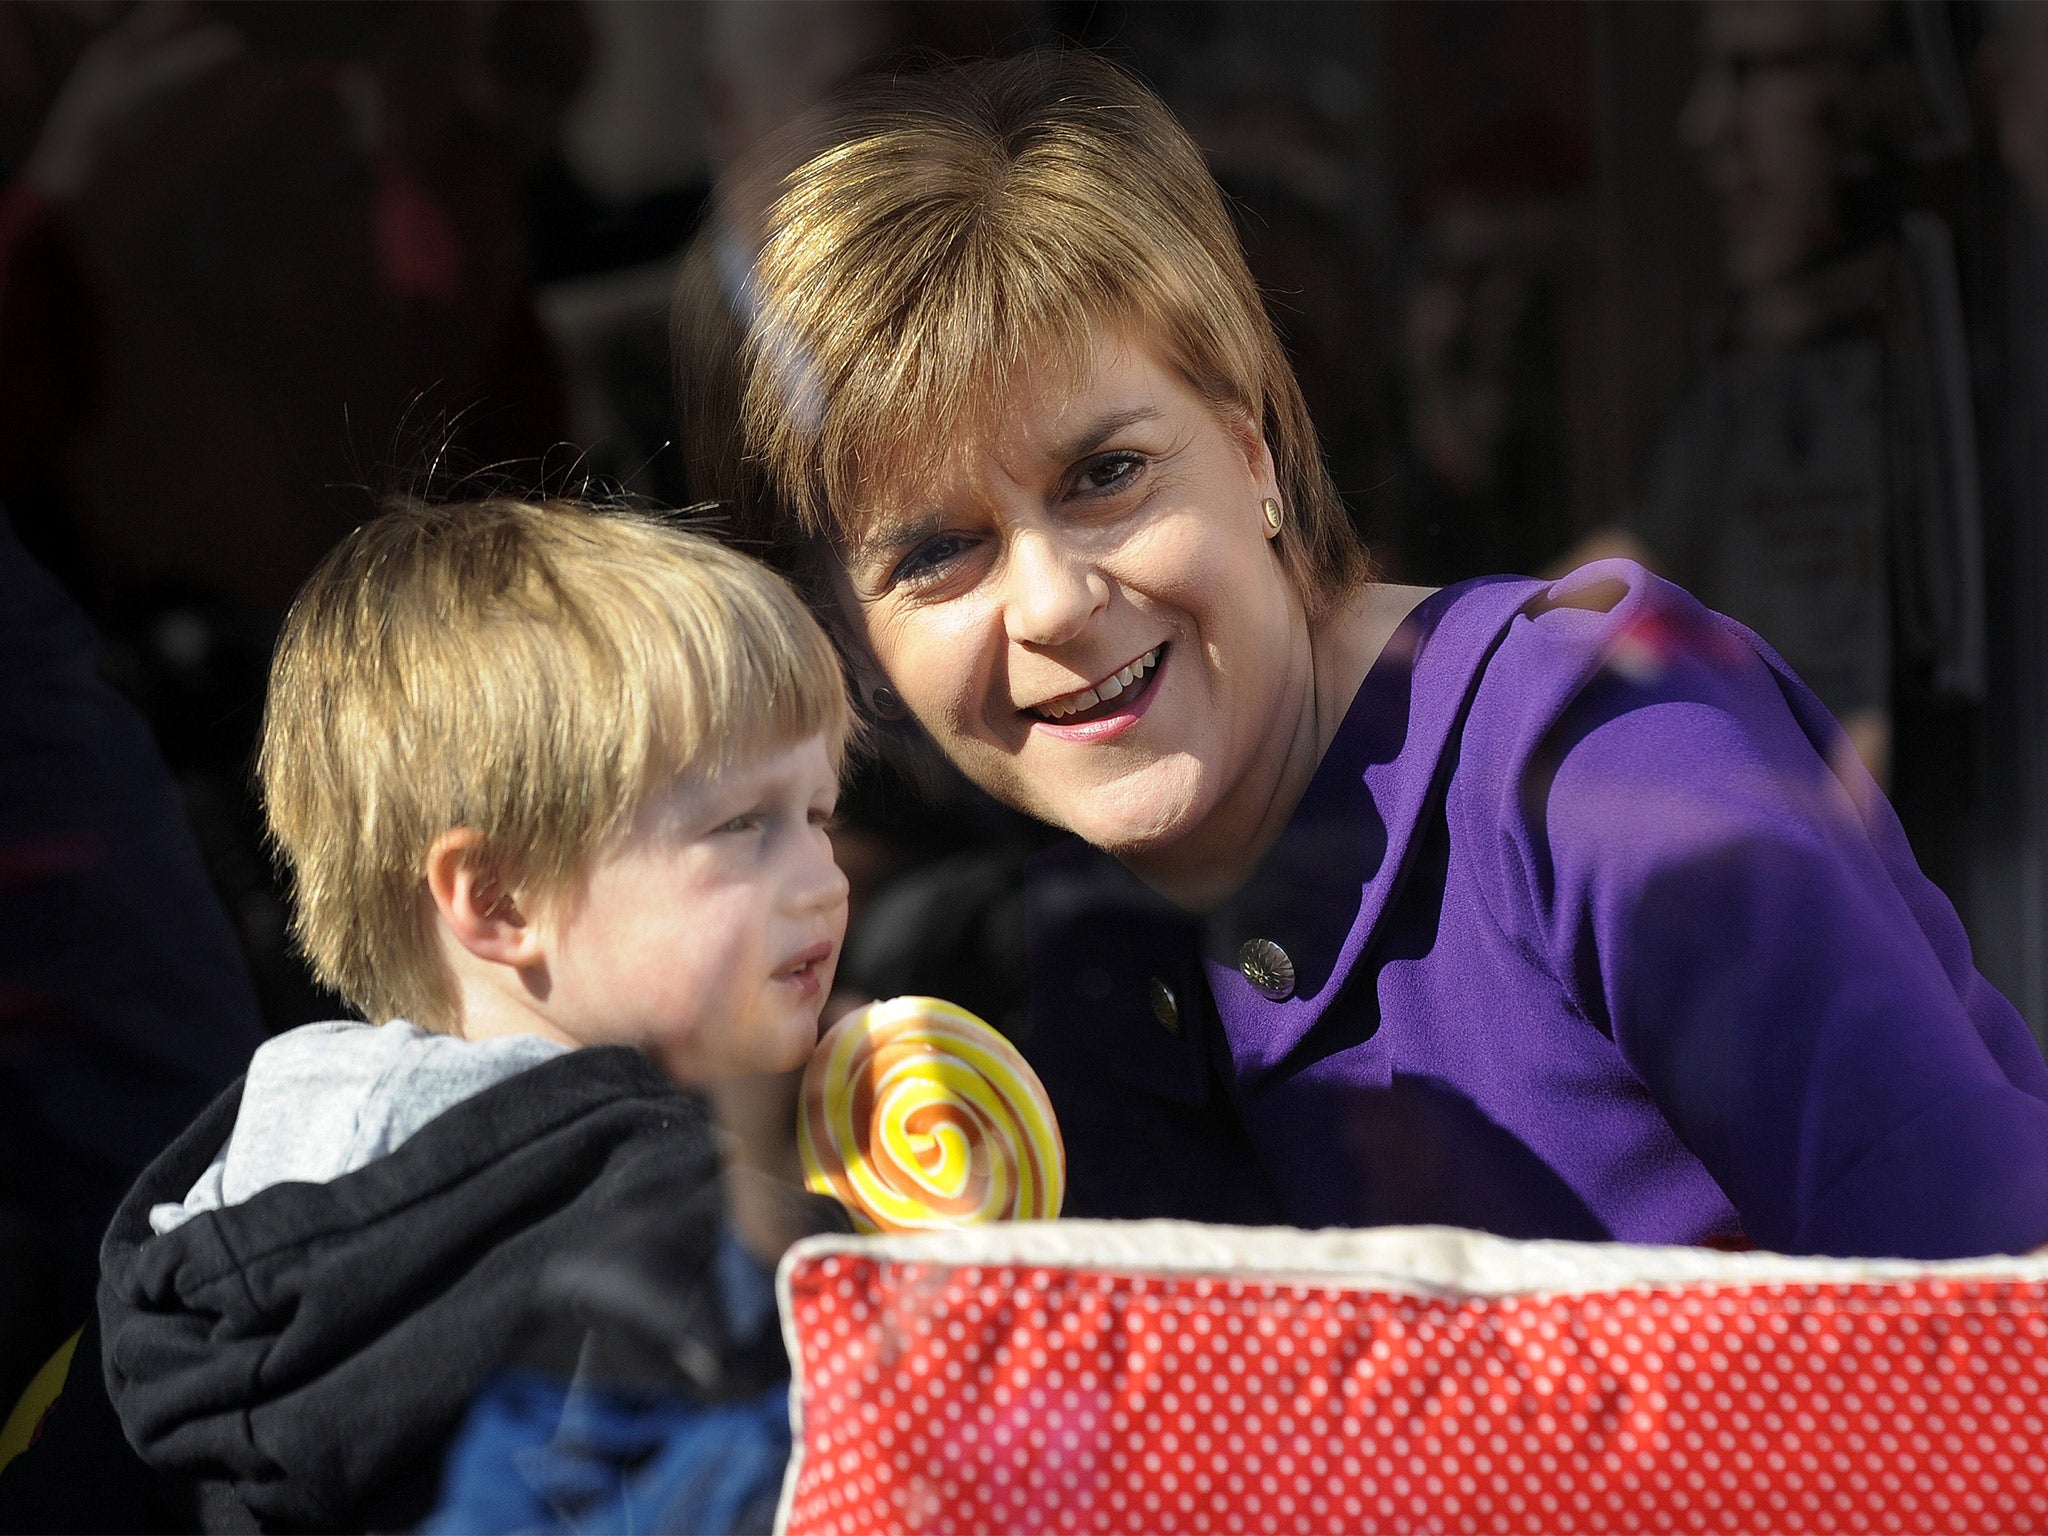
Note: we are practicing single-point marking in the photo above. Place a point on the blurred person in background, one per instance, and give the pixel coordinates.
(1820, 482)
(291, 231)
(612, 228)
(2016, 60)
(2010, 306)
(1492, 108)
(125, 1007)
(1481, 408)
(254, 258)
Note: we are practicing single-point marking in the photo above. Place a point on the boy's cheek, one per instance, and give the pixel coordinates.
(819, 1015)
(795, 1056)
(768, 1051)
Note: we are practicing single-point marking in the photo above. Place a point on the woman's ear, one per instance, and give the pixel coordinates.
(474, 903)
(841, 618)
(876, 698)
(1249, 434)
(840, 612)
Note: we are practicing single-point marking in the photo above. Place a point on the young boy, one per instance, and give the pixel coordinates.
(552, 784)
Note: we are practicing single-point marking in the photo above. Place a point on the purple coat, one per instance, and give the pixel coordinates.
(1588, 940)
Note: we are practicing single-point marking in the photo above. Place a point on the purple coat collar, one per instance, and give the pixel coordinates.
(1319, 893)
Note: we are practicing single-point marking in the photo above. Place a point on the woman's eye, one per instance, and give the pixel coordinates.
(1110, 472)
(929, 560)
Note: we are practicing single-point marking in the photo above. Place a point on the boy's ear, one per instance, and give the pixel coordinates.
(474, 903)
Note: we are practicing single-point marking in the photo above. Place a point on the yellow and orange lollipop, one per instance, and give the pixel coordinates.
(917, 1115)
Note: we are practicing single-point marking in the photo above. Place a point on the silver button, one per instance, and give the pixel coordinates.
(1267, 967)
(1165, 1007)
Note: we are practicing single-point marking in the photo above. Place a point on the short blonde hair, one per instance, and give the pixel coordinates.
(528, 670)
(941, 232)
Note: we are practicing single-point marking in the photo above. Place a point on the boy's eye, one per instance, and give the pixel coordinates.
(750, 822)
(829, 820)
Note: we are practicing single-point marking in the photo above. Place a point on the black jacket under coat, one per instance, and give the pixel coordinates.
(300, 1361)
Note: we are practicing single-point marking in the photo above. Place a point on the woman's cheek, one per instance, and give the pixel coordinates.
(1178, 558)
(959, 666)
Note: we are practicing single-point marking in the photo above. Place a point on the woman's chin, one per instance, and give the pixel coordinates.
(1137, 815)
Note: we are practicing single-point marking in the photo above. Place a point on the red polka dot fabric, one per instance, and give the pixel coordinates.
(938, 1394)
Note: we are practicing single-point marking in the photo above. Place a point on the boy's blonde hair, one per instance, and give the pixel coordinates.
(928, 237)
(529, 670)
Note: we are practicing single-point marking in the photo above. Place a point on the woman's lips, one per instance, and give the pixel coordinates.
(1082, 700)
(1110, 718)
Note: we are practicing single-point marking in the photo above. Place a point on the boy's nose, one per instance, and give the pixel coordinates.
(821, 884)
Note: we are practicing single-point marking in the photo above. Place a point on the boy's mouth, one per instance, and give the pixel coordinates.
(1112, 695)
(807, 971)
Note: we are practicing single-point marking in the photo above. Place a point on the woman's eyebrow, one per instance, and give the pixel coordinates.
(890, 536)
(1100, 430)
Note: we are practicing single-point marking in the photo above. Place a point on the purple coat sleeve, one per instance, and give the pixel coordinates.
(1749, 925)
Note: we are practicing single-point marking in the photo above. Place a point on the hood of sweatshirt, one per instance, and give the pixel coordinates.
(302, 1358)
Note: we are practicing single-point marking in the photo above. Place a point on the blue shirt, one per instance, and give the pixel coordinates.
(1596, 930)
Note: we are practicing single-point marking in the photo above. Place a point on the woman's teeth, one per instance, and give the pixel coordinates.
(1102, 692)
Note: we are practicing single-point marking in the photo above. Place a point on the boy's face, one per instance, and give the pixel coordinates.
(708, 938)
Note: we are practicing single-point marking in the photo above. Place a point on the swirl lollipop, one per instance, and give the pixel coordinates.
(917, 1115)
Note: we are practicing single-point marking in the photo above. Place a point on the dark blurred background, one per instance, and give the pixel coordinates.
(1756, 292)
(1752, 291)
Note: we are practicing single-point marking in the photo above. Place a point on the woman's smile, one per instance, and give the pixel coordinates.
(1107, 708)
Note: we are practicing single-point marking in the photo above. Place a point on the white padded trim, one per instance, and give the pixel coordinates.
(1405, 1261)
(1420, 1261)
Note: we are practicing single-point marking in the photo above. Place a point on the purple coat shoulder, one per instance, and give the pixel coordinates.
(1588, 926)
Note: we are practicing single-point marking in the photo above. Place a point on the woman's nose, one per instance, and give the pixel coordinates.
(1051, 590)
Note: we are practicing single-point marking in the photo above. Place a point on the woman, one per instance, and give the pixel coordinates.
(1555, 910)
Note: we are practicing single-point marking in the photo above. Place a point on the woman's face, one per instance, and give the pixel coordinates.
(1084, 610)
